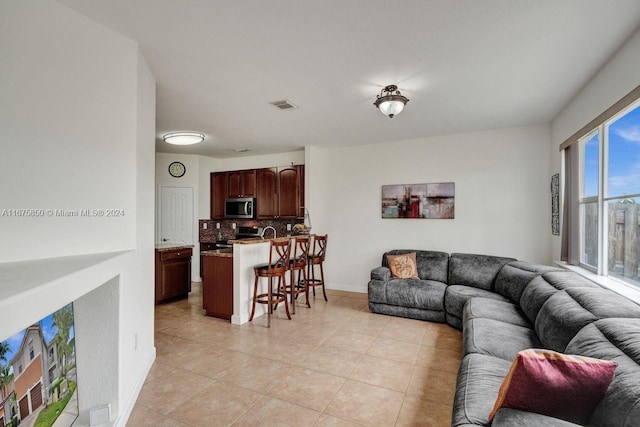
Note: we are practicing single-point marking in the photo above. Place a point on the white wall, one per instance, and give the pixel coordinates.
(264, 161)
(619, 76)
(502, 200)
(67, 114)
(78, 126)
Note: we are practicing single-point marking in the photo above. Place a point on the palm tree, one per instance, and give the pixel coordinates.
(63, 320)
(4, 349)
(6, 376)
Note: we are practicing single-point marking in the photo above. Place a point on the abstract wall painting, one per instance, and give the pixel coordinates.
(426, 201)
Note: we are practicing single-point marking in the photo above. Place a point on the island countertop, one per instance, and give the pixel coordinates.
(218, 252)
(161, 247)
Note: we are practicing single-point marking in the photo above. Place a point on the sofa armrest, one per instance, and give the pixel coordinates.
(381, 273)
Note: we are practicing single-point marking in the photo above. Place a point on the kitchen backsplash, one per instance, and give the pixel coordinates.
(210, 234)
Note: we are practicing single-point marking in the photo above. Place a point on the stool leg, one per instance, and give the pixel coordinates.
(284, 290)
(313, 279)
(322, 278)
(269, 302)
(255, 292)
(306, 286)
(293, 291)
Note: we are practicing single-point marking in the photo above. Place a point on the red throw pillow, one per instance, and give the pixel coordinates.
(555, 384)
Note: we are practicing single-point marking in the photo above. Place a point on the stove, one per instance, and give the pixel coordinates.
(243, 233)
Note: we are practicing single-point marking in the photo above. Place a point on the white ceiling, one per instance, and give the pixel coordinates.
(465, 65)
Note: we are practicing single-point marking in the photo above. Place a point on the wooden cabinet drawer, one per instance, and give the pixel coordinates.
(176, 254)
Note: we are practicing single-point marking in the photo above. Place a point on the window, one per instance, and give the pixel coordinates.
(31, 352)
(609, 196)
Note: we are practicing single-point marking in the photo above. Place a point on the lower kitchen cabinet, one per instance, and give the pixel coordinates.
(173, 273)
(217, 286)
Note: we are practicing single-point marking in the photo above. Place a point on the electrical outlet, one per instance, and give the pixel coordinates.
(233, 225)
(218, 225)
(288, 227)
(204, 225)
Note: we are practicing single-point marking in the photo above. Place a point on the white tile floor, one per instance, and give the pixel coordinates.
(335, 364)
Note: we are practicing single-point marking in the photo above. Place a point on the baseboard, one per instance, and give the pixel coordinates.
(349, 288)
(125, 413)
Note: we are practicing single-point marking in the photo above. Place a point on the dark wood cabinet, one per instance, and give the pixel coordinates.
(219, 188)
(173, 274)
(279, 191)
(205, 246)
(242, 183)
(217, 286)
(267, 193)
(288, 192)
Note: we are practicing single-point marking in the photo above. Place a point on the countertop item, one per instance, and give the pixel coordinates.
(218, 252)
(171, 247)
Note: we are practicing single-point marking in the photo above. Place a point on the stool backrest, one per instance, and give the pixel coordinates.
(300, 251)
(319, 247)
(279, 256)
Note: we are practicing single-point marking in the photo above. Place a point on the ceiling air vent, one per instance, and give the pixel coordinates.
(285, 104)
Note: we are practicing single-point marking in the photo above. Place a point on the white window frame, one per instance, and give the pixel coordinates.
(603, 197)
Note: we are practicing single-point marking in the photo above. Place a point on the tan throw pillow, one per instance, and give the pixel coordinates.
(403, 266)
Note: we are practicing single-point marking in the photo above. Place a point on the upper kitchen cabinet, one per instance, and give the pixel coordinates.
(267, 193)
(288, 192)
(280, 192)
(242, 183)
(219, 188)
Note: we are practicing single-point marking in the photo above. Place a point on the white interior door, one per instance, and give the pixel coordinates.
(176, 215)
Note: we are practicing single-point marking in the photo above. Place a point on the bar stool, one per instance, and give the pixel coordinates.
(278, 266)
(298, 263)
(316, 258)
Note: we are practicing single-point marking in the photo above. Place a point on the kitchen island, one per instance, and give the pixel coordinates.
(243, 256)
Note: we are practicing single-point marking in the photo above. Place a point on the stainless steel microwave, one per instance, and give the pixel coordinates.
(240, 208)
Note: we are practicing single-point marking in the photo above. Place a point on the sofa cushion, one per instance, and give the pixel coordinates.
(560, 319)
(515, 276)
(566, 312)
(416, 293)
(377, 291)
(497, 339)
(478, 271)
(408, 312)
(489, 308)
(432, 265)
(403, 266)
(381, 273)
(559, 385)
(479, 380)
(508, 417)
(542, 287)
(617, 340)
(456, 297)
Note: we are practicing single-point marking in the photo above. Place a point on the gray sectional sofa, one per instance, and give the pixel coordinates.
(504, 306)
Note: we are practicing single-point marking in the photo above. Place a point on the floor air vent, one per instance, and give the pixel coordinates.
(285, 104)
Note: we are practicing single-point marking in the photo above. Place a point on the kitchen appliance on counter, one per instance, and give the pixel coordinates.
(242, 208)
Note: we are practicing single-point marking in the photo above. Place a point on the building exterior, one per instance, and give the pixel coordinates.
(35, 368)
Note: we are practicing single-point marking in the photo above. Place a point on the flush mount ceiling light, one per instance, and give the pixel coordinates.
(390, 102)
(183, 138)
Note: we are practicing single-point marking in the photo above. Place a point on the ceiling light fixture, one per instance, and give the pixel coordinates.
(183, 138)
(390, 102)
